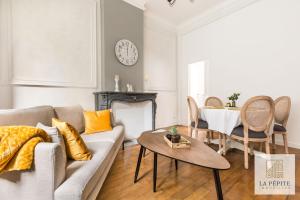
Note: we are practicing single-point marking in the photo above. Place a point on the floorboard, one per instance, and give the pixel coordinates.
(188, 182)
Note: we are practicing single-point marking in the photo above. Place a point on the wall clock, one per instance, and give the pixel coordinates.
(126, 52)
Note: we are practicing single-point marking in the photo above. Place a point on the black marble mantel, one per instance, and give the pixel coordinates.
(103, 100)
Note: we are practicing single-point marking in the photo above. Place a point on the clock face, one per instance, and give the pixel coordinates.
(126, 52)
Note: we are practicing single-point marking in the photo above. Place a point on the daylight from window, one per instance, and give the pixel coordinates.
(196, 81)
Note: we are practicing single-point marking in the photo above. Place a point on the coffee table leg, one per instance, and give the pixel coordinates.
(138, 164)
(154, 171)
(218, 184)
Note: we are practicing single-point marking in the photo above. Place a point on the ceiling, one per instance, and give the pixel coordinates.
(182, 10)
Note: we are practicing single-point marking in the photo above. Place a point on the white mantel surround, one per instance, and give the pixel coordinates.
(137, 3)
(136, 117)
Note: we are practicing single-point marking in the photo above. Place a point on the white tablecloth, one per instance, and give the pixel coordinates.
(221, 120)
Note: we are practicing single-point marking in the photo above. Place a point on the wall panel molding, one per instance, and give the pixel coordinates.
(54, 50)
(5, 62)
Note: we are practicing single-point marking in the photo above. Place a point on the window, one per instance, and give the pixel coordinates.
(197, 81)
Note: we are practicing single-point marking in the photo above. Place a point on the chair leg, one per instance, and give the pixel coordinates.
(286, 147)
(208, 137)
(202, 135)
(193, 133)
(267, 147)
(220, 140)
(261, 146)
(212, 135)
(273, 141)
(246, 155)
(251, 148)
(190, 131)
(196, 131)
(224, 144)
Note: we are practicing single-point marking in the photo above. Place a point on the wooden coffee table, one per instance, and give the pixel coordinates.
(199, 154)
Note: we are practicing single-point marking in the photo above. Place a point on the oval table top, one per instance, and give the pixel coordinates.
(198, 154)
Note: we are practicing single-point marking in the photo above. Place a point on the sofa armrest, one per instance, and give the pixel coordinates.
(40, 182)
(50, 165)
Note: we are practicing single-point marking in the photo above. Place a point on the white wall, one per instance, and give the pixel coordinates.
(60, 67)
(253, 51)
(32, 96)
(160, 67)
(5, 89)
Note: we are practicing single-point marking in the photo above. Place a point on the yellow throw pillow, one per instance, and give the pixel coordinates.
(97, 121)
(75, 146)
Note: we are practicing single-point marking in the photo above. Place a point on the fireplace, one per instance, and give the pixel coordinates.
(129, 105)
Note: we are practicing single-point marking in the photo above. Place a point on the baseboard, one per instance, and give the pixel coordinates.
(290, 144)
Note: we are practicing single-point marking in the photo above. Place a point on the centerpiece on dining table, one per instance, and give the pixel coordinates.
(233, 98)
(175, 140)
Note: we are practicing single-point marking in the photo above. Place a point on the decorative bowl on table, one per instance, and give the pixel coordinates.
(183, 143)
(173, 135)
(175, 140)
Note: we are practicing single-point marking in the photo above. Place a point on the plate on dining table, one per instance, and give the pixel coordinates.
(233, 108)
(213, 107)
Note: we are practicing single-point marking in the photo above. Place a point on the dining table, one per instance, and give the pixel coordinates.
(223, 120)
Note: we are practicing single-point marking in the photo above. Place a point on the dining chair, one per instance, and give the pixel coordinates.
(281, 115)
(257, 115)
(216, 102)
(213, 101)
(196, 123)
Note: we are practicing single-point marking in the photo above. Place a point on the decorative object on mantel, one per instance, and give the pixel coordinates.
(175, 140)
(172, 2)
(126, 52)
(104, 100)
(129, 87)
(117, 78)
(233, 98)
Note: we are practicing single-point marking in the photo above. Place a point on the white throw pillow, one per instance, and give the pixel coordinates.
(55, 135)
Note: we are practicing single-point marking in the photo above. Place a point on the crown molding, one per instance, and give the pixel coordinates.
(137, 3)
(213, 14)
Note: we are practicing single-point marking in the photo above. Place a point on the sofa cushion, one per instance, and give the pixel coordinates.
(27, 116)
(279, 128)
(107, 136)
(97, 121)
(72, 115)
(201, 124)
(56, 137)
(239, 131)
(82, 176)
(75, 147)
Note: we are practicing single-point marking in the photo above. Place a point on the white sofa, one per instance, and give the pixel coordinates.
(52, 176)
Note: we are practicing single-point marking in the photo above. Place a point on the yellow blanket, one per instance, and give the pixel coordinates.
(17, 145)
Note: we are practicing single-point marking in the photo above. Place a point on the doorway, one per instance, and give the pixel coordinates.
(197, 87)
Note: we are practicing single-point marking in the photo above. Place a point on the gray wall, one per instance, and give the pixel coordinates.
(120, 20)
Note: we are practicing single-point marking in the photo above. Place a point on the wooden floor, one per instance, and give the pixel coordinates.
(188, 182)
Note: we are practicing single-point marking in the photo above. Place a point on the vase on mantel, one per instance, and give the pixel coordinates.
(117, 78)
(233, 104)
